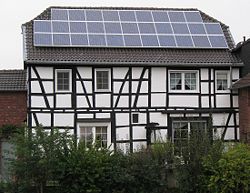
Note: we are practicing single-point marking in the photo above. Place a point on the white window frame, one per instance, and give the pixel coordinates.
(93, 126)
(228, 81)
(183, 90)
(70, 79)
(109, 79)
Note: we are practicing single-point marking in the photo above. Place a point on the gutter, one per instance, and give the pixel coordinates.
(90, 63)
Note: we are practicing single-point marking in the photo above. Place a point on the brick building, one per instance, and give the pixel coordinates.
(13, 97)
(243, 87)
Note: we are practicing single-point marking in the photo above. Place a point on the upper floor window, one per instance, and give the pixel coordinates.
(63, 80)
(183, 80)
(102, 78)
(222, 80)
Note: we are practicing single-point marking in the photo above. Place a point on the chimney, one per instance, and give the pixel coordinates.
(244, 38)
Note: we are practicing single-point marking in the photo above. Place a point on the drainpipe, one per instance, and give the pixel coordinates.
(231, 77)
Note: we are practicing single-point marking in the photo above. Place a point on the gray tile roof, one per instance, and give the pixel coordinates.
(129, 56)
(13, 80)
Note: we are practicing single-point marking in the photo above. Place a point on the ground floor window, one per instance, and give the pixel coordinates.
(182, 130)
(94, 135)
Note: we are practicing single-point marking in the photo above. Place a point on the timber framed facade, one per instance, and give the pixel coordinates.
(131, 96)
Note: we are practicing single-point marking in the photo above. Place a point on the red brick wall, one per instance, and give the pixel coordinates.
(244, 114)
(13, 108)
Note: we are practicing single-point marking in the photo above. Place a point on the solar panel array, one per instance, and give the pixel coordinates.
(127, 28)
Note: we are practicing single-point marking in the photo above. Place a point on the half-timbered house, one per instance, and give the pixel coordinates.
(128, 76)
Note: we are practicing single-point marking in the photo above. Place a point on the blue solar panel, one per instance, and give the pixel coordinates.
(76, 15)
(132, 40)
(79, 39)
(127, 15)
(201, 41)
(167, 41)
(97, 40)
(213, 28)
(149, 40)
(43, 39)
(77, 27)
(193, 16)
(196, 28)
(111, 16)
(42, 26)
(218, 41)
(180, 28)
(144, 16)
(115, 40)
(146, 28)
(95, 27)
(60, 27)
(176, 16)
(61, 39)
(184, 41)
(163, 28)
(113, 28)
(128, 28)
(93, 15)
(160, 16)
(59, 14)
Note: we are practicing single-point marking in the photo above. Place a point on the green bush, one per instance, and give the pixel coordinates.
(231, 173)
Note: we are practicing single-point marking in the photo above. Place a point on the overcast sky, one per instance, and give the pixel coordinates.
(234, 13)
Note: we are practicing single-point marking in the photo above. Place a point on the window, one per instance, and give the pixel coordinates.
(135, 118)
(102, 79)
(94, 135)
(222, 80)
(183, 130)
(63, 80)
(183, 81)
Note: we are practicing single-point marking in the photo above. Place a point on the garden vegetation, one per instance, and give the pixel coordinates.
(52, 161)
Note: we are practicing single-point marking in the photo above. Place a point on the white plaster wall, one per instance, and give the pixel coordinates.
(139, 132)
(120, 72)
(136, 72)
(204, 74)
(204, 88)
(48, 86)
(85, 72)
(134, 86)
(63, 119)
(235, 73)
(85, 116)
(43, 118)
(235, 101)
(102, 100)
(82, 101)
(123, 101)
(122, 133)
(183, 100)
(122, 119)
(205, 101)
(44, 72)
(35, 87)
(158, 79)
(158, 117)
(223, 100)
(142, 101)
(158, 100)
(63, 100)
(103, 115)
(37, 101)
(219, 118)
